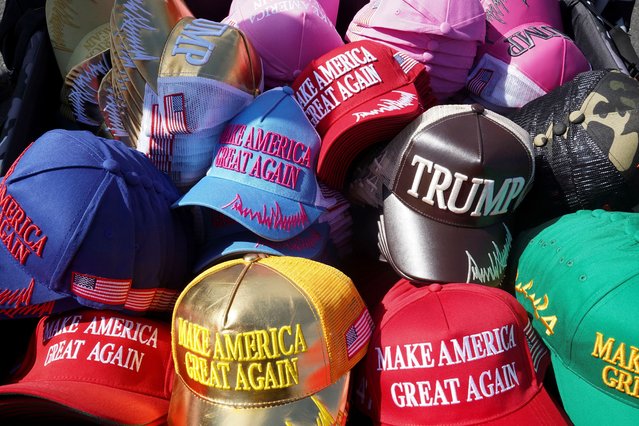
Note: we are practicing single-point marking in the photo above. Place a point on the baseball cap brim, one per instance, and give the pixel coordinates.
(362, 127)
(268, 215)
(325, 407)
(112, 404)
(310, 244)
(424, 249)
(576, 394)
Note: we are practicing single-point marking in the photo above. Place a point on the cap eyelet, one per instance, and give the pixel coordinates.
(583, 277)
(569, 263)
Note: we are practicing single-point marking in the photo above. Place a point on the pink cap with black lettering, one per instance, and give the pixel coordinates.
(475, 359)
(357, 95)
(96, 365)
(526, 63)
(504, 15)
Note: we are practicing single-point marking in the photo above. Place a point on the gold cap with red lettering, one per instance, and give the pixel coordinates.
(266, 340)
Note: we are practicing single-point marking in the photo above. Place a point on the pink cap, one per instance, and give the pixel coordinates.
(502, 16)
(287, 38)
(330, 7)
(528, 62)
(453, 19)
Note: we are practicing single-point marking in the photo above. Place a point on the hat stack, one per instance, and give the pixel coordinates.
(160, 77)
(287, 37)
(442, 35)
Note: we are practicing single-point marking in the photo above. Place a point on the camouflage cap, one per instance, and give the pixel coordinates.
(586, 144)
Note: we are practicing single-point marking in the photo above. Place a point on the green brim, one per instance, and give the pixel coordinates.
(588, 405)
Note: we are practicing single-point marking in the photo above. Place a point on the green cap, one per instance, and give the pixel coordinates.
(579, 280)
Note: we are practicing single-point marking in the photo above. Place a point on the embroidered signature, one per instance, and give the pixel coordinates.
(386, 105)
(497, 259)
(272, 218)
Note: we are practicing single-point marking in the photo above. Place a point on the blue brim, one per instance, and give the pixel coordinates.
(266, 214)
(310, 244)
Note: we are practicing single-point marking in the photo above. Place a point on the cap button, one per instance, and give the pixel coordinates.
(253, 257)
(296, 73)
(559, 129)
(287, 90)
(477, 108)
(427, 56)
(435, 287)
(445, 28)
(433, 45)
(576, 117)
(111, 165)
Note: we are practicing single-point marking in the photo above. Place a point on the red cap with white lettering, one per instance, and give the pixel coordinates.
(358, 95)
(474, 359)
(449, 182)
(95, 365)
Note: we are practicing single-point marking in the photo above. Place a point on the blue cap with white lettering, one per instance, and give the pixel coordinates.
(448, 183)
(263, 171)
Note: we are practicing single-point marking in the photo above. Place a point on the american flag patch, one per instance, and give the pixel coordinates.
(160, 143)
(538, 351)
(405, 62)
(175, 114)
(151, 299)
(478, 83)
(102, 290)
(359, 333)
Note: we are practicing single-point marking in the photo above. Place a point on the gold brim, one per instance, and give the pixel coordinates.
(325, 408)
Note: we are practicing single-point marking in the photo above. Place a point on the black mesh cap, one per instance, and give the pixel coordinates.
(586, 145)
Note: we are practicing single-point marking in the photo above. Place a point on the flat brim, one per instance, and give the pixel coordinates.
(376, 120)
(97, 401)
(268, 215)
(423, 249)
(188, 408)
(585, 404)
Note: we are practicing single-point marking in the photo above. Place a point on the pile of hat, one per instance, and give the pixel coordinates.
(302, 212)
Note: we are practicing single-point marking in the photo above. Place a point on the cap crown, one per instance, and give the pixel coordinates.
(274, 329)
(460, 165)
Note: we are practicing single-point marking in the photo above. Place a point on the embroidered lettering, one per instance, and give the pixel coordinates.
(622, 373)
(192, 42)
(538, 305)
(136, 18)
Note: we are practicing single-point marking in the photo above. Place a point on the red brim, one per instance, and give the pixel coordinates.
(77, 399)
(369, 123)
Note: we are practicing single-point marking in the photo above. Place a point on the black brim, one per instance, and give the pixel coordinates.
(422, 249)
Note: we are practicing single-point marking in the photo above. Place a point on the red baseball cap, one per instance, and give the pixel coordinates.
(357, 95)
(454, 354)
(94, 365)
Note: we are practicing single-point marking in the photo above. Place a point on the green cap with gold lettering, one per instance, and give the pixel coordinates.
(579, 280)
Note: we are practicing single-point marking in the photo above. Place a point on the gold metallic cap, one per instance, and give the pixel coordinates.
(109, 108)
(144, 26)
(69, 22)
(266, 340)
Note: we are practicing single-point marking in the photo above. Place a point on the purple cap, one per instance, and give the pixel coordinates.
(88, 218)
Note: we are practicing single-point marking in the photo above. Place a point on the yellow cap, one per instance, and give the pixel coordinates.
(266, 340)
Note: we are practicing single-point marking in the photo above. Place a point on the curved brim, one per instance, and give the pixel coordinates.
(376, 120)
(97, 401)
(310, 244)
(423, 249)
(268, 215)
(585, 404)
(325, 407)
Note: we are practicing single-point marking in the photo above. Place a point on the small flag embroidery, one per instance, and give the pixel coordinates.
(478, 83)
(161, 143)
(359, 333)
(103, 290)
(175, 114)
(405, 62)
